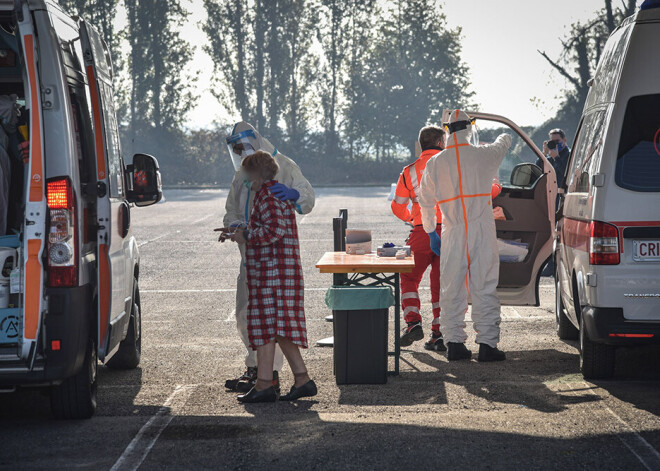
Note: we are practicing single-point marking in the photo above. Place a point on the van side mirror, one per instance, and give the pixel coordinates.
(525, 175)
(144, 176)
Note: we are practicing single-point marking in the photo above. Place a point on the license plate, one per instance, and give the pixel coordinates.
(646, 250)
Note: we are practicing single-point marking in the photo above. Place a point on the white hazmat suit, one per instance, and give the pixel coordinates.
(460, 179)
(237, 210)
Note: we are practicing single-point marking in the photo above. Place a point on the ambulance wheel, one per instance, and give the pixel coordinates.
(75, 397)
(130, 349)
(565, 328)
(596, 359)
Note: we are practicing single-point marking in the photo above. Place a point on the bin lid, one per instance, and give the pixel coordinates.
(358, 298)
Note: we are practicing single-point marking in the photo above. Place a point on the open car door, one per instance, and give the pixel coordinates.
(528, 201)
(112, 209)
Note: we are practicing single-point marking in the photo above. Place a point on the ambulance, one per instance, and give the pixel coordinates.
(69, 295)
(608, 251)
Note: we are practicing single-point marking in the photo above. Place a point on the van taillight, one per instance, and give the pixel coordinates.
(603, 244)
(62, 237)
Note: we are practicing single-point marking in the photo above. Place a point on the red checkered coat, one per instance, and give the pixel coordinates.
(274, 272)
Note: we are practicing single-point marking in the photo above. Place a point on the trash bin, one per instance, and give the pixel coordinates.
(360, 331)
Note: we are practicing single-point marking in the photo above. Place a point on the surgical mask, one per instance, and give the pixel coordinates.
(560, 146)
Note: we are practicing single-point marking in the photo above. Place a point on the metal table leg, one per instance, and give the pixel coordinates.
(397, 324)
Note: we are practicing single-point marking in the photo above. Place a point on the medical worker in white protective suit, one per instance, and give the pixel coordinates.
(460, 179)
(292, 185)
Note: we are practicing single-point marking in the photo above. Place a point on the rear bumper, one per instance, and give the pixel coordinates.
(69, 321)
(607, 325)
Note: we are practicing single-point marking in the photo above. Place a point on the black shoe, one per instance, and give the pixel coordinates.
(306, 390)
(435, 343)
(248, 383)
(249, 375)
(488, 353)
(254, 396)
(458, 351)
(412, 333)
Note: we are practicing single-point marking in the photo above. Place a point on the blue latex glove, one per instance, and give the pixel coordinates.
(285, 193)
(436, 243)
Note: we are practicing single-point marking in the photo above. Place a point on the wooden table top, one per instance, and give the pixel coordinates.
(341, 262)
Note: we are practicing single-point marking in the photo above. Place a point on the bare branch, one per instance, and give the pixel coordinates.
(564, 73)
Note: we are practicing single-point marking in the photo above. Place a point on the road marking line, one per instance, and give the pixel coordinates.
(136, 451)
(638, 446)
(231, 316)
(175, 232)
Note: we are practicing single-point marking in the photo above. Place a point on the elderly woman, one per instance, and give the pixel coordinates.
(276, 310)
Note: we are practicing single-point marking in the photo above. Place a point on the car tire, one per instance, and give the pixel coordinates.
(130, 349)
(75, 397)
(565, 328)
(596, 359)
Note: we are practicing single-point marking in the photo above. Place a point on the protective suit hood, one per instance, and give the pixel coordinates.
(462, 129)
(248, 137)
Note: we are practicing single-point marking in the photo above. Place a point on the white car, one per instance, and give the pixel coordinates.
(70, 262)
(607, 255)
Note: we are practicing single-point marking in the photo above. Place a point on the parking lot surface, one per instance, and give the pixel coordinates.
(533, 411)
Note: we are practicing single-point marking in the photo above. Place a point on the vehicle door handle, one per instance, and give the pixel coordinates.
(125, 219)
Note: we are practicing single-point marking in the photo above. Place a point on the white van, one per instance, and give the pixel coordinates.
(70, 265)
(608, 251)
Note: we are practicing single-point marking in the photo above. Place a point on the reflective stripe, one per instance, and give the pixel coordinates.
(436, 305)
(413, 179)
(415, 200)
(460, 190)
(410, 309)
(401, 199)
(436, 321)
(411, 295)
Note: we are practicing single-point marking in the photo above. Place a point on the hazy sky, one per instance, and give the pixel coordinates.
(500, 43)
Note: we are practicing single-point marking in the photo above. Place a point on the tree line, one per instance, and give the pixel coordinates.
(342, 86)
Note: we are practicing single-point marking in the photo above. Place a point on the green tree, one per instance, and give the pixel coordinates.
(161, 79)
(412, 71)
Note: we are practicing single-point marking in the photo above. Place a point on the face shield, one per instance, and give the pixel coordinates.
(240, 146)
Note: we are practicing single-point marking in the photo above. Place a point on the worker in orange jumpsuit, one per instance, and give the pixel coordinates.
(432, 142)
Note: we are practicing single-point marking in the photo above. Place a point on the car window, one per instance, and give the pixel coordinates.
(586, 153)
(638, 158)
(609, 67)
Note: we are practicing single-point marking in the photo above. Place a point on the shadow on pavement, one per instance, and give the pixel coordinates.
(521, 380)
(637, 377)
(117, 391)
(272, 440)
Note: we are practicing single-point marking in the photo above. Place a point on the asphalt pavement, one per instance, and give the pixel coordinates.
(533, 411)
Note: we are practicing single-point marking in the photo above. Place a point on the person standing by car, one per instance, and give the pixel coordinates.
(557, 151)
(276, 310)
(292, 186)
(432, 142)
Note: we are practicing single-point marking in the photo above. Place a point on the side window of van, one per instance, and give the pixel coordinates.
(586, 152)
(610, 66)
(638, 157)
(115, 165)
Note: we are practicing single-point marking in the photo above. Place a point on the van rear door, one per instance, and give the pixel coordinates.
(112, 208)
(35, 209)
(529, 212)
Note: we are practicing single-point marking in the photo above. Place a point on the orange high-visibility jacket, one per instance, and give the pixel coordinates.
(407, 190)
(408, 186)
